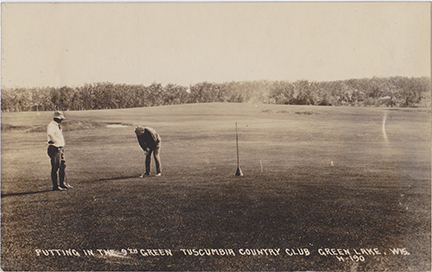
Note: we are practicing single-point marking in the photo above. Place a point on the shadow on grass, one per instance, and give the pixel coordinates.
(118, 178)
(25, 193)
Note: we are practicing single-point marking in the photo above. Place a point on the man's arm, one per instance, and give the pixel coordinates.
(50, 133)
(142, 143)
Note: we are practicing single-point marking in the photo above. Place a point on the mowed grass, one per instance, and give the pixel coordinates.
(314, 177)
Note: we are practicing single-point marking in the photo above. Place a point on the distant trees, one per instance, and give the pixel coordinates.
(393, 91)
(390, 92)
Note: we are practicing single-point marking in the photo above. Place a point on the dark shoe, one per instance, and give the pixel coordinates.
(144, 175)
(68, 186)
(59, 189)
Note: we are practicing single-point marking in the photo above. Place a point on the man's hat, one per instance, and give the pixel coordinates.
(59, 115)
(139, 130)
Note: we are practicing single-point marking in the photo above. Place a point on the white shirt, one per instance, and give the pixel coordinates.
(55, 134)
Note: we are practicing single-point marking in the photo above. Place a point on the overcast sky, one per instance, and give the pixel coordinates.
(57, 44)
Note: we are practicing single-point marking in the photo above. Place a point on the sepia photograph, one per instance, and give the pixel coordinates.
(216, 136)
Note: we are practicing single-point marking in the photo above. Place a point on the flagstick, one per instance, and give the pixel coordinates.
(239, 171)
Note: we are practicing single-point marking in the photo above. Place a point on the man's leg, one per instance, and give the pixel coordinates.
(55, 165)
(157, 159)
(54, 169)
(147, 162)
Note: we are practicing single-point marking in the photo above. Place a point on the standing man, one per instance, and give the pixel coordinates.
(56, 144)
(150, 142)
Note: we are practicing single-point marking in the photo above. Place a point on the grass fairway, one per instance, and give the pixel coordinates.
(324, 188)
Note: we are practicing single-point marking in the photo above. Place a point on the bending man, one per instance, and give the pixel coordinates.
(150, 142)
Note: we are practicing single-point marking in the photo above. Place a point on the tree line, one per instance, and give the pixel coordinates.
(391, 92)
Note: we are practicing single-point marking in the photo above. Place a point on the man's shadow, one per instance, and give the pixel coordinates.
(118, 178)
(25, 193)
(45, 191)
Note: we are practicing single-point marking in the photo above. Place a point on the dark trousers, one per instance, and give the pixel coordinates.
(155, 151)
(58, 164)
